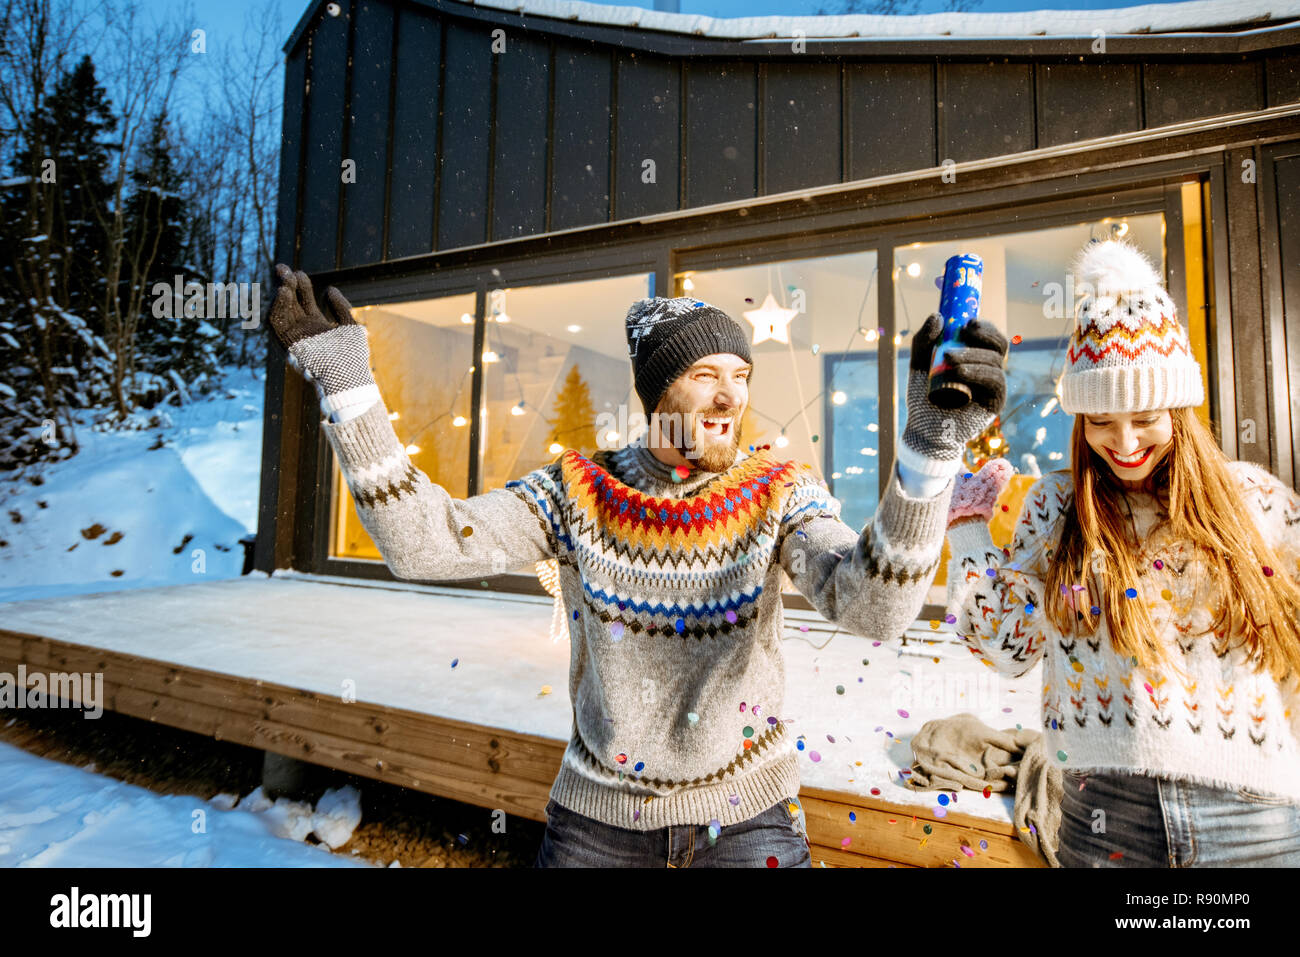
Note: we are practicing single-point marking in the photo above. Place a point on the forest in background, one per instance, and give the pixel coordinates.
(132, 152)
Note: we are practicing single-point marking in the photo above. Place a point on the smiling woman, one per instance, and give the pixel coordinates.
(1134, 443)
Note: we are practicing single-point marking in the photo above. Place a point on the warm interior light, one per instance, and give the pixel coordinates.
(466, 318)
(872, 427)
(490, 356)
(870, 335)
(1121, 230)
(839, 398)
(393, 416)
(502, 317)
(687, 284)
(782, 441)
(611, 436)
(555, 448)
(517, 409)
(459, 421)
(914, 269)
(412, 449)
(574, 328)
(995, 443)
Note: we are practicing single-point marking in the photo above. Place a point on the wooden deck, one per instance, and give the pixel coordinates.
(460, 753)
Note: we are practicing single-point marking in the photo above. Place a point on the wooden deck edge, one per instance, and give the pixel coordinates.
(489, 767)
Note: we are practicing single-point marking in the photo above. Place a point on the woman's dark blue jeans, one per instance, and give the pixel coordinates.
(1129, 820)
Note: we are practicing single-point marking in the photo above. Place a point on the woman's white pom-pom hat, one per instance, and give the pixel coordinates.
(1128, 353)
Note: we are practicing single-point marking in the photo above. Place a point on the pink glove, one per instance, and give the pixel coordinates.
(975, 495)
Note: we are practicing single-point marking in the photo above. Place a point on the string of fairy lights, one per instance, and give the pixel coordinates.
(770, 321)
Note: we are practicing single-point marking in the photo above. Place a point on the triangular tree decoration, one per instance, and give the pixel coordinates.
(574, 423)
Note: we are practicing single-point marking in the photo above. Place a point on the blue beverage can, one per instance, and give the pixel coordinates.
(959, 304)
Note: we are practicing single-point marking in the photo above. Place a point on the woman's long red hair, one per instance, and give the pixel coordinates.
(1206, 509)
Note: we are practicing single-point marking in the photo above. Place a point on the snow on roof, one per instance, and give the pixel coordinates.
(1149, 18)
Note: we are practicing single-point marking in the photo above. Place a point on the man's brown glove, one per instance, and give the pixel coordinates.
(331, 353)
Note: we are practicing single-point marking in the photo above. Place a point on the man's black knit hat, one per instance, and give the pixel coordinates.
(665, 337)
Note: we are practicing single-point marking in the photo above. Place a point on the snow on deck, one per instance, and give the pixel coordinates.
(397, 642)
(1147, 18)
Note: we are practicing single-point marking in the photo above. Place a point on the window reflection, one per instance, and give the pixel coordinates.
(421, 355)
(556, 372)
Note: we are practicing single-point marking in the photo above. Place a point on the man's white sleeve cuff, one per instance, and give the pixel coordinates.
(363, 396)
(924, 465)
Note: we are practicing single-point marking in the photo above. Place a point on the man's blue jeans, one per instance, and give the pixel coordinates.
(572, 840)
(1125, 820)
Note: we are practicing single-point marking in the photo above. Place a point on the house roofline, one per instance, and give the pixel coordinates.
(672, 44)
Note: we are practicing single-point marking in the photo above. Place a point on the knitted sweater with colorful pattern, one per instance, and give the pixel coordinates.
(1222, 724)
(673, 588)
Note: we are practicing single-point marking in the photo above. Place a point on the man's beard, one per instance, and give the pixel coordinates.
(711, 453)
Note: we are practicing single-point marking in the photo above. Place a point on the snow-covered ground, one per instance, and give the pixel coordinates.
(55, 815)
(121, 514)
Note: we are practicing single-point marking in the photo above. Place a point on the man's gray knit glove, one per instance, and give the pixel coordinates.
(332, 355)
(934, 438)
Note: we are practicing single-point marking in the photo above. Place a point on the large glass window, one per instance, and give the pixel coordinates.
(1029, 294)
(421, 353)
(556, 372)
(814, 330)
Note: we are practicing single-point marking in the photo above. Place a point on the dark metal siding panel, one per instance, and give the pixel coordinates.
(721, 132)
(363, 209)
(1286, 178)
(1177, 92)
(322, 176)
(291, 133)
(891, 118)
(801, 126)
(519, 184)
(1282, 79)
(648, 128)
(1082, 101)
(1250, 370)
(466, 130)
(985, 109)
(580, 136)
(415, 135)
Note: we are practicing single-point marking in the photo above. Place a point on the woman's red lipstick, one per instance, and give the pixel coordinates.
(1131, 465)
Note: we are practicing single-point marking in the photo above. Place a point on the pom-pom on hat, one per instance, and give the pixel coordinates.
(1128, 353)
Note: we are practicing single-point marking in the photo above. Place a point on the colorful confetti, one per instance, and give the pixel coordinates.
(875, 790)
(1131, 592)
(940, 811)
(902, 713)
(640, 766)
(466, 532)
(950, 619)
(943, 799)
(455, 662)
(621, 758)
(853, 816)
(814, 756)
(839, 689)
(748, 731)
(1268, 572)
(730, 616)
(846, 842)
(742, 707)
(546, 689)
(616, 630)
(1062, 755)
(692, 717)
(771, 862)
(984, 845)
